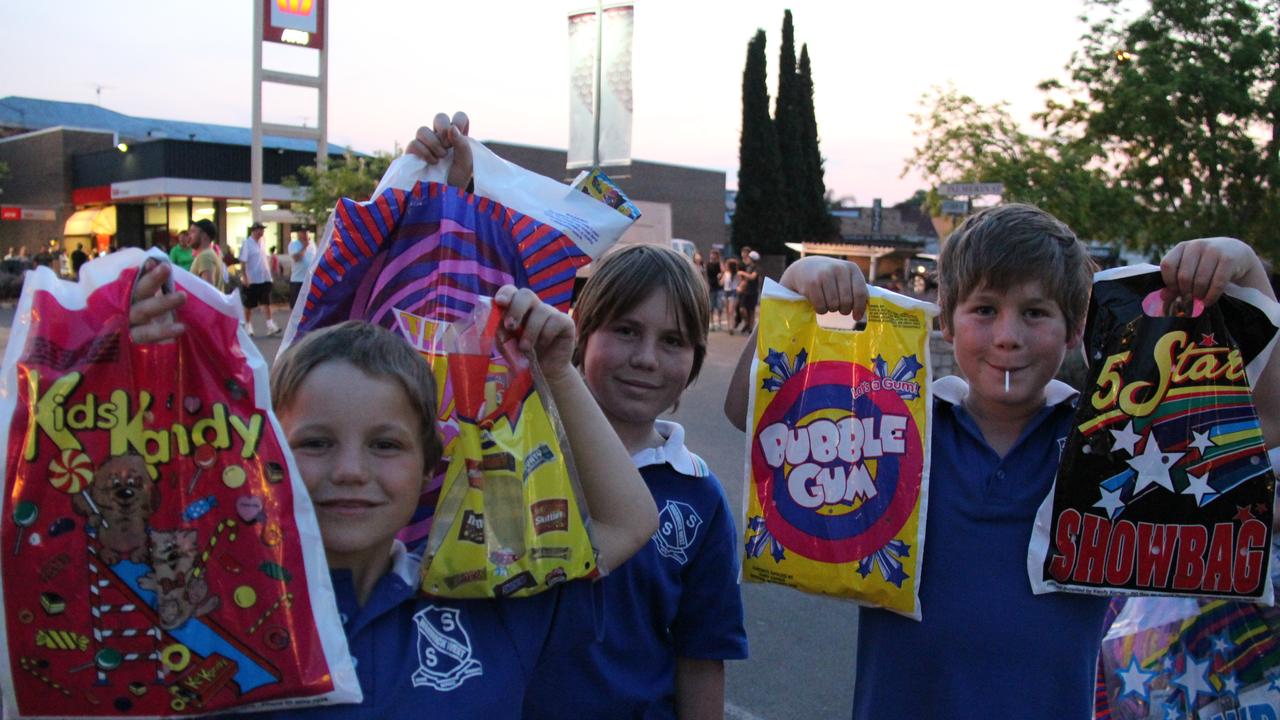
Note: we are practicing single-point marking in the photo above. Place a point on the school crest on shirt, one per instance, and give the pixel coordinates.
(444, 650)
(678, 525)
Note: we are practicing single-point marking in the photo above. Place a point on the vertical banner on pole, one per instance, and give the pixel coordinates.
(615, 101)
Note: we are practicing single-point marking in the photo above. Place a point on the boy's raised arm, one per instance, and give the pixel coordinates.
(1202, 268)
(831, 285)
(623, 514)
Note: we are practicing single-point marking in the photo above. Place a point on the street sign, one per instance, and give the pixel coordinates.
(959, 189)
(955, 207)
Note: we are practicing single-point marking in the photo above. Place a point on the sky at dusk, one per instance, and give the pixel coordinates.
(395, 63)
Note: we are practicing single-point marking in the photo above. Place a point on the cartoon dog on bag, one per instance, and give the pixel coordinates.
(123, 498)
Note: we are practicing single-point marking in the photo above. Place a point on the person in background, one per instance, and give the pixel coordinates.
(180, 254)
(303, 254)
(748, 289)
(255, 278)
(729, 289)
(78, 258)
(713, 270)
(207, 263)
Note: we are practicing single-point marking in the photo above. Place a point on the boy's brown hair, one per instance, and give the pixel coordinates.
(1007, 245)
(626, 277)
(375, 351)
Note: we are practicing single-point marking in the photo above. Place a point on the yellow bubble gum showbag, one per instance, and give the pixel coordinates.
(838, 450)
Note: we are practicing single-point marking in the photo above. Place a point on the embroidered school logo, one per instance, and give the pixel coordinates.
(840, 467)
(444, 650)
(678, 525)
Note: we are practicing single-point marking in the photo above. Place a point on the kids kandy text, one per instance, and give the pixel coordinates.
(50, 413)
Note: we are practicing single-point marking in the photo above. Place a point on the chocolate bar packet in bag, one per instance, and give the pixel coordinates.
(1164, 485)
(161, 557)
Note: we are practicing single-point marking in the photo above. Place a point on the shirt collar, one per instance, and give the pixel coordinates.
(404, 564)
(672, 452)
(954, 390)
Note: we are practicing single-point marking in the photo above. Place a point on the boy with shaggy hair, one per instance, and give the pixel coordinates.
(675, 612)
(1014, 288)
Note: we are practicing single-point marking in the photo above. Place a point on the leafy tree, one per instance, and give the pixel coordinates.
(756, 220)
(1182, 103)
(350, 176)
(814, 221)
(963, 140)
(787, 122)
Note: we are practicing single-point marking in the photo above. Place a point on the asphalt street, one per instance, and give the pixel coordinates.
(802, 647)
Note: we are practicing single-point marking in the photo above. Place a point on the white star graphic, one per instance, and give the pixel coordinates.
(1201, 441)
(1125, 439)
(1110, 502)
(1230, 685)
(1153, 466)
(1221, 644)
(1194, 680)
(1198, 486)
(1173, 712)
(1136, 679)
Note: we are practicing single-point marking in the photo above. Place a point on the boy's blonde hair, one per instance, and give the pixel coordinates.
(626, 277)
(376, 352)
(1007, 245)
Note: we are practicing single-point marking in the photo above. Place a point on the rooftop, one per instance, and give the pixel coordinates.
(23, 114)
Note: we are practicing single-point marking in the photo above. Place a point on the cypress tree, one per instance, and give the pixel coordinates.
(787, 125)
(813, 217)
(756, 218)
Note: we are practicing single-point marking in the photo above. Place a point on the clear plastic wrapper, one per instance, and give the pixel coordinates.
(838, 450)
(1164, 486)
(162, 557)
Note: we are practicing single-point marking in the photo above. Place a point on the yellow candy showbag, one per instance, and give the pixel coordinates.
(838, 450)
(511, 519)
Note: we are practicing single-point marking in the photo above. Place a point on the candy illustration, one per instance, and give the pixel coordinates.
(204, 457)
(199, 508)
(72, 473)
(245, 596)
(249, 508)
(24, 516)
(233, 476)
(106, 659)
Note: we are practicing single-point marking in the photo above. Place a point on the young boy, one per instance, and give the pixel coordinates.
(675, 612)
(357, 406)
(1014, 288)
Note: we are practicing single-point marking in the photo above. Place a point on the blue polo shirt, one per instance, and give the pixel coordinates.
(986, 647)
(438, 658)
(677, 597)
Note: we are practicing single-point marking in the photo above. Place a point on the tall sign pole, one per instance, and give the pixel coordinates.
(301, 23)
(595, 107)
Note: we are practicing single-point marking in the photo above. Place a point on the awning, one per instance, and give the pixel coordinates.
(92, 221)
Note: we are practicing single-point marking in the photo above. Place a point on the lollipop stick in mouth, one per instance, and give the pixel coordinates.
(1006, 381)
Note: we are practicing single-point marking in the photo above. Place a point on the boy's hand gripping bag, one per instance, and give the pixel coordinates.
(161, 556)
(838, 450)
(1164, 487)
(419, 257)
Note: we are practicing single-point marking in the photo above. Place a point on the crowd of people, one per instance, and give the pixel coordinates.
(650, 639)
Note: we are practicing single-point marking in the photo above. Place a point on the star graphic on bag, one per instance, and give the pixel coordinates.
(1153, 466)
(1194, 680)
(1110, 502)
(1198, 487)
(1136, 679)
(1207, 340)
(1125, 439)
(1201, 441)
